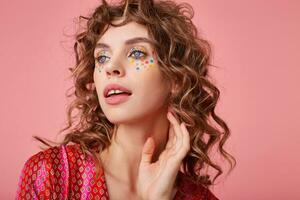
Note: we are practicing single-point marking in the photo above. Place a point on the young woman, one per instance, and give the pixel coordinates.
(146, 107)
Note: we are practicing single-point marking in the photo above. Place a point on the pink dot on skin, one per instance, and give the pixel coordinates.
(147, 61)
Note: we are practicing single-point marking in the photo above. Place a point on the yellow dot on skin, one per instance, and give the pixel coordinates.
(131, 61)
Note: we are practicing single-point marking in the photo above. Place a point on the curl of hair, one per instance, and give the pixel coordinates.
(184, 59)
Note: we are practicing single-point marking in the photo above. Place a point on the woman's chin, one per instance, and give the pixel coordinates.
(117, 119)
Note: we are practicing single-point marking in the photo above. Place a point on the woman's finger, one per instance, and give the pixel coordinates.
(171, 137)
(186, 139)
(177, 129)
(147, 152)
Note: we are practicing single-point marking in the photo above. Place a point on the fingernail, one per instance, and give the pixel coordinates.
(171, 110)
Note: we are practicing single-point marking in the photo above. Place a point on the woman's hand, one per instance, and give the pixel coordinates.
(156, 180)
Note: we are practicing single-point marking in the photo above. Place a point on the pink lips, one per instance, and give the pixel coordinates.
(116, 99)
(115, 86)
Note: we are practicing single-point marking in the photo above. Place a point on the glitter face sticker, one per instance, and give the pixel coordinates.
(101, 58)
(140, 62)
(137, 57)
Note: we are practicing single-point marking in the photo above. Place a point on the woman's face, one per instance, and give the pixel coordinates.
(124, 55)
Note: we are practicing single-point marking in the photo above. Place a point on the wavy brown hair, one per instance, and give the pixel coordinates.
(184, 59)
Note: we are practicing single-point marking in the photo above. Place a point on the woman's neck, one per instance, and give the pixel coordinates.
(121, 159)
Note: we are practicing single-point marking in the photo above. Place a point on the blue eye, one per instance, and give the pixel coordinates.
(137, 54)
(101, 59)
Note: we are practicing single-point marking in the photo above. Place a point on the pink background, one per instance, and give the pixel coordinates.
(255, 43)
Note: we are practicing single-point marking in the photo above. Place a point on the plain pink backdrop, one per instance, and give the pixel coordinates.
(255, 44)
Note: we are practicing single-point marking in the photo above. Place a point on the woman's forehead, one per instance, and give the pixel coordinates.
(117, 34)
(128, 34)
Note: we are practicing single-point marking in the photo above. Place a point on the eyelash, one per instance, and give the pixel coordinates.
(134, 51)
(99, 57)
(131, 53)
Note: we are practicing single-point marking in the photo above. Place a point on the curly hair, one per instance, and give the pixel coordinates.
(184, 59)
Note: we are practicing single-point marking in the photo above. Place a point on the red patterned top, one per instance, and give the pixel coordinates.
(62, 173)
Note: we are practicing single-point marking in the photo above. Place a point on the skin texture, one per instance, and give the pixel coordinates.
(148, 167)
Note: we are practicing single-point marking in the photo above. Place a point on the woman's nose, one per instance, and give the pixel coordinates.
(114, 70)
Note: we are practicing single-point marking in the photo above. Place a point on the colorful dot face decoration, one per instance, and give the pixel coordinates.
(141, 63)
(137, 58)
(101, 58)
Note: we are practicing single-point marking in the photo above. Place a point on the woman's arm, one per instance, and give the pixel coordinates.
(45, 175)
(31, 182)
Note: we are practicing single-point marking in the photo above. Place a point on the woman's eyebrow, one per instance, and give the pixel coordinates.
(138, 40)
(127, 42)
(102, 45)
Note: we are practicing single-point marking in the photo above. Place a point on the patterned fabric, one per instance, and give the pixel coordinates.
(62, 173)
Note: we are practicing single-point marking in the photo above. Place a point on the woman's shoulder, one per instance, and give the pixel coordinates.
(54, 156)
(188, 189)
(46, 167)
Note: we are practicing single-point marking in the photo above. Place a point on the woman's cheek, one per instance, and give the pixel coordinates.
(142, 64)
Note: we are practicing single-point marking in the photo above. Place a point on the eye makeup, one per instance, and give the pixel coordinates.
(137, 51)
(137, 57)
(101, 59)
(143, 62)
